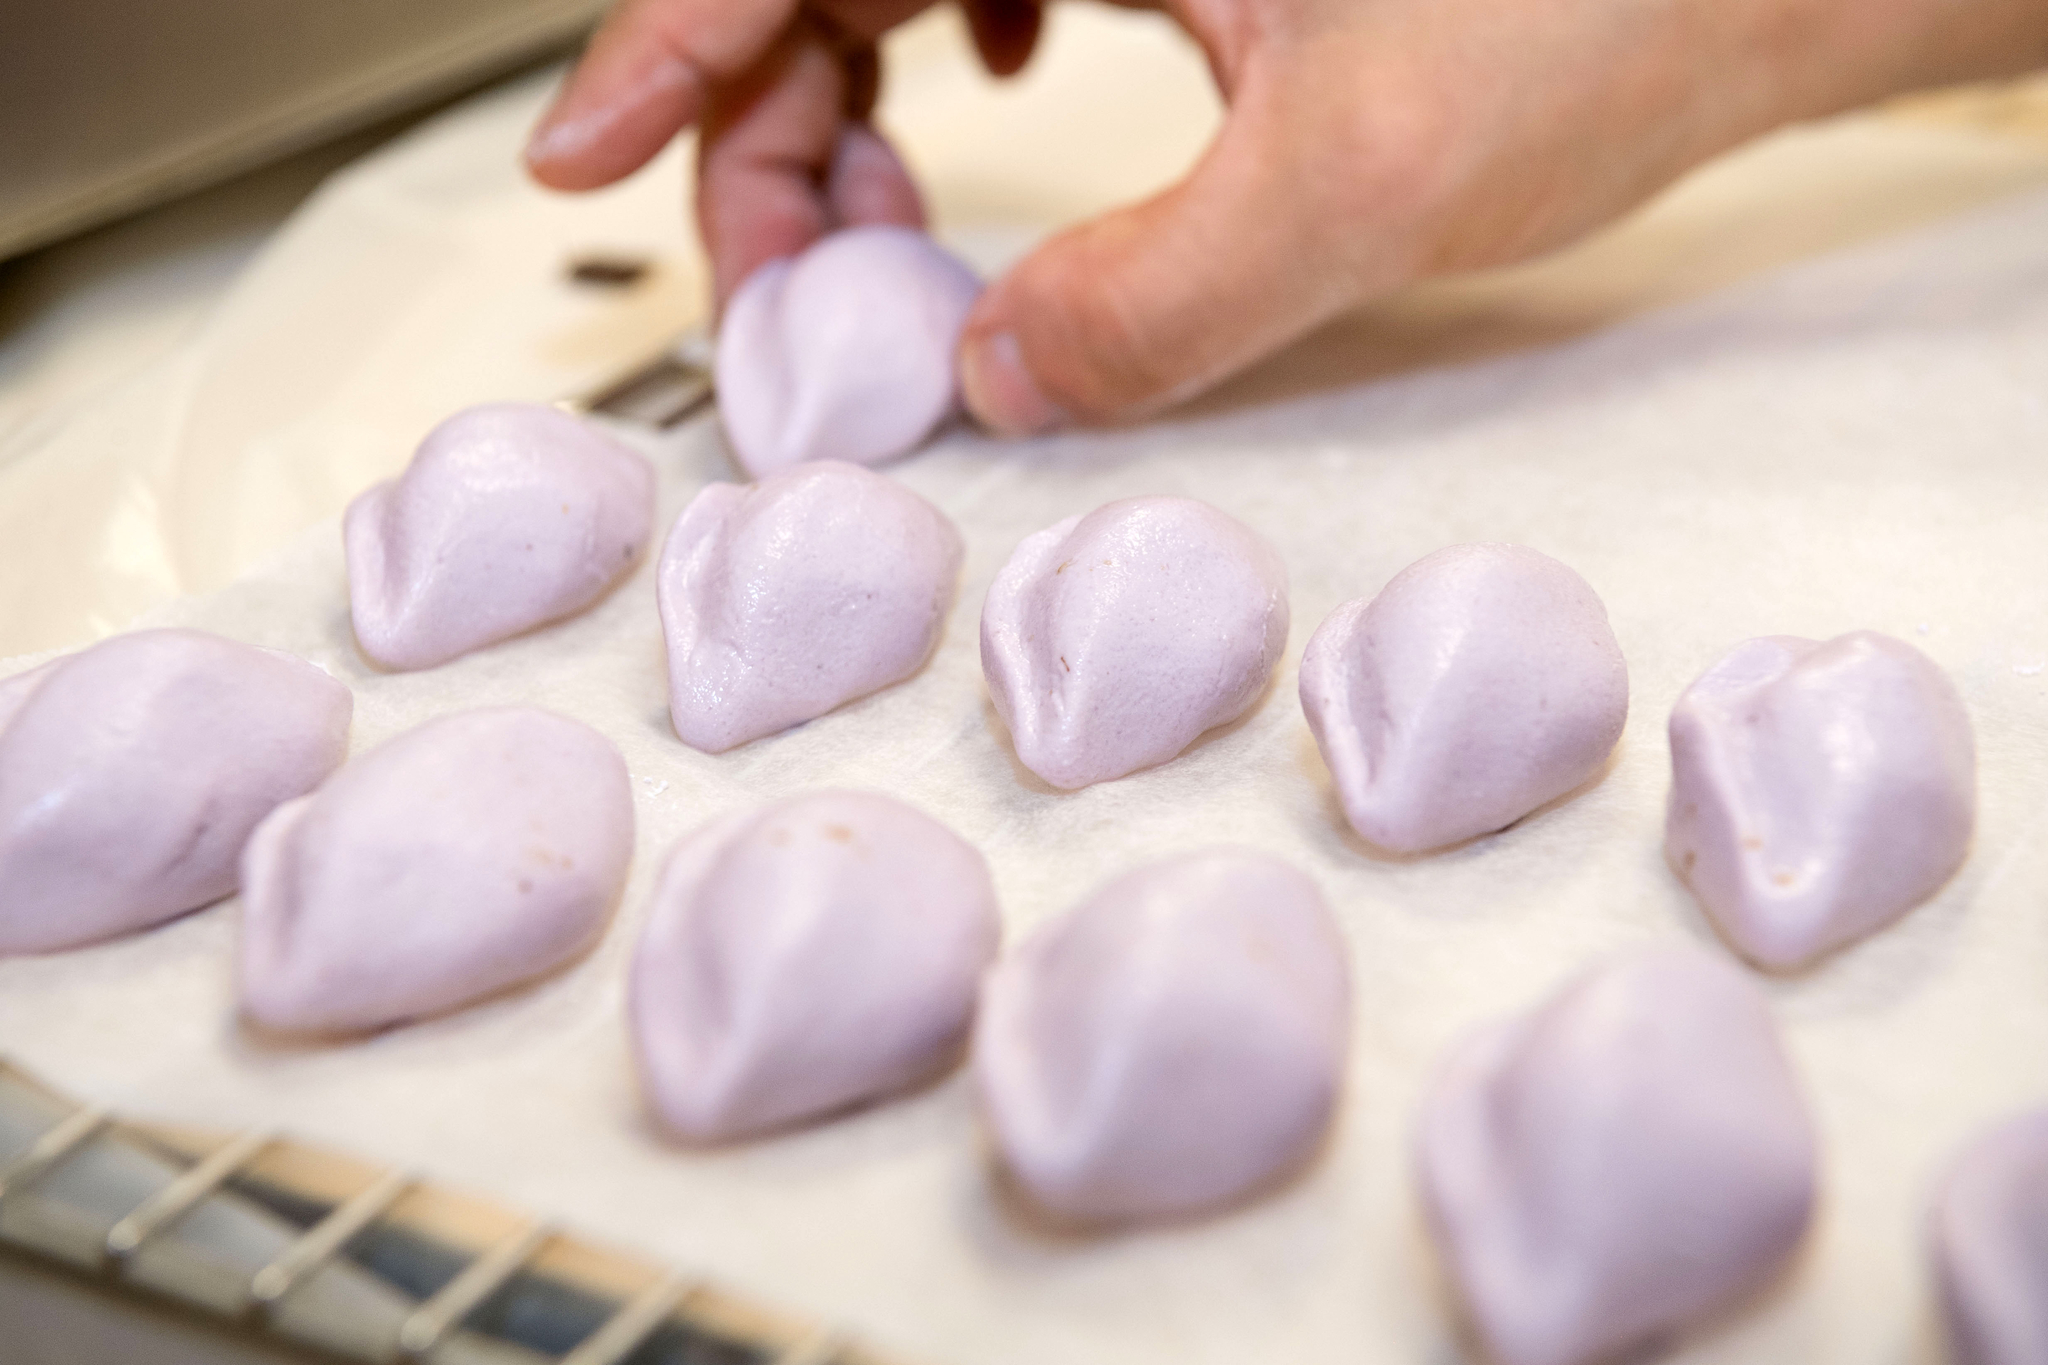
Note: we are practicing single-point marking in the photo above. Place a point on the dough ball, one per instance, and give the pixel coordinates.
(844, 352)
(784, 599)
(1818, 791)
(1169, 1046)
(1113, 640)
(132, 772)
(1482, 682)
(1990, 1253)
(510, 516)
(469, 854)
(1630, 1158)
(805, 957)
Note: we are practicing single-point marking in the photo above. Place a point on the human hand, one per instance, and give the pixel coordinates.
(782, 90)
(1368, 143)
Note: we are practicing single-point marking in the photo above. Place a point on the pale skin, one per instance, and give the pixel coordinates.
(1366, 144)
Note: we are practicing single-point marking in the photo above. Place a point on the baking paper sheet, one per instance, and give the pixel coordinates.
(1856, 442)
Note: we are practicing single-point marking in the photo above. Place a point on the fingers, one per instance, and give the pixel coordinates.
(1005, 32)
(1152, 304)
(781, 162)
(768, 141)
(868, 182)
(645, 77)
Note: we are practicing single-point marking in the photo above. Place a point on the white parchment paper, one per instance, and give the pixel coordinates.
(1857, 442)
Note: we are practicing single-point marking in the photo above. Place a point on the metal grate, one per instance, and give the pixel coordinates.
(319, 1255)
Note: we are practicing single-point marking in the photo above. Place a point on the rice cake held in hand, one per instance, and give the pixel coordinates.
(784, 599)
(131, 774)
(845, 352)
(1989, 1237)
(468, 854)
(1818, 791)
(799, 959)
(1482, 682)
(510, 516)
(1170, 1045)
(1112, 641)
(1628, 1159)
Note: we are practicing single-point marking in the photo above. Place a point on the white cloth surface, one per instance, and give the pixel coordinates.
(429, 275)
(1856, 442)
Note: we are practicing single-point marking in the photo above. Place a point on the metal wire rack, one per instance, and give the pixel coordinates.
(297, 1252)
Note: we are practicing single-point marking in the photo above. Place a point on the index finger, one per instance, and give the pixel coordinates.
(642, 80)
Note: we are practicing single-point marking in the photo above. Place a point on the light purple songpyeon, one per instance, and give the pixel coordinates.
(783, 599)
(804, 957)
(466, 855)
(1111, 641)
(1818, 791)
(132, 772)
(1988, 1234)
(1170, 1045)
(1481, 682)
(511, 515)
(1630, 1158)
(844, 352)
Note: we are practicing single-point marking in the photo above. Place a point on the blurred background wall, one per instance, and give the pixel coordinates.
(108, 106)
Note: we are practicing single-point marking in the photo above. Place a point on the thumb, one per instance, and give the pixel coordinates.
(1152, 304)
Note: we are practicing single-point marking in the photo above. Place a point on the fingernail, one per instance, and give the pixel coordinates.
(568, 129)
(1000, 391)
(553, 140)
(559, 133)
